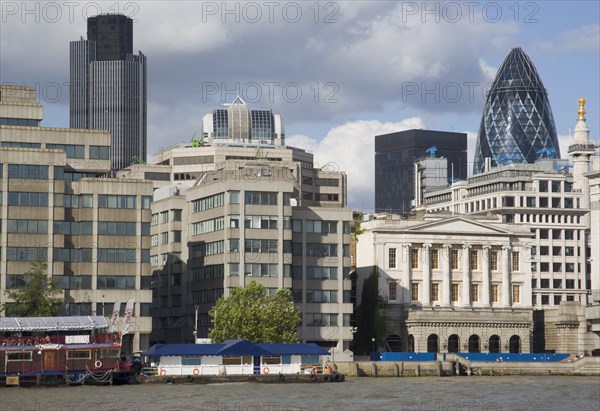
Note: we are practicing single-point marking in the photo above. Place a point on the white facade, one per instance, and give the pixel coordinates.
(456, 277)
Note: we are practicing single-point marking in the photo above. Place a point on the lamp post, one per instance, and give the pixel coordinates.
(373, 344)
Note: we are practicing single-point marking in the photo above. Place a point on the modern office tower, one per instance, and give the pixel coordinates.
(93, 232)
(395, 157)
(517, 125)
(238, 123)
(555, 204)
(108, 87)
(231, 210)
(451, 284)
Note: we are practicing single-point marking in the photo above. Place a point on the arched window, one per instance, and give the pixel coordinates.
(411, 343)
(515, 344)
(453, 343)
(474, 343)
(433, 343)
(494, 344)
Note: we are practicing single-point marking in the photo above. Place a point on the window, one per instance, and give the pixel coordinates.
(494, 260)
(208, 226)
(414, 258)
(495, 296)
(116, 282)
(264, 222)
(321, 227)
(321, 320)
(455, 292)
(321, 250)
(474, 260)
(26, 253)
(176, 236)
(556, 283)
(16, 198)
(516, 293)
(99, 152)
(260, 270)
(164, 238)
(414, 291)
(435, 259)
(435, 292)
(116, 201)
(207, 203)
(544, 234)
(154, 240)
(543, 186)
(266, 246)
(154, 221)
(392, 290)
(392, 258)
(211, 272)
(79, 355)
(454, 259)
(234, 197)
(475, 292)
(28, 171)
(556, 186)
(19, 356)
(260, 197)
(164, 217)
(321, 273)
(176, 215)
(27, 226)
(321, 296)
(116, 255)
(515, 261)
(116, 228)
(297, 226)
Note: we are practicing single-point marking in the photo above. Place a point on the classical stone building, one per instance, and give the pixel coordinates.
(558, 202)
(56, 206)
(451, 283)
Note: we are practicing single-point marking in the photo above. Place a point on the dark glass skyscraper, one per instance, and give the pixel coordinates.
(517, 124)
(395, 156)
(108, 87)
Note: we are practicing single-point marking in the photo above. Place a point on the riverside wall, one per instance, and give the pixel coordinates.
(587, 366)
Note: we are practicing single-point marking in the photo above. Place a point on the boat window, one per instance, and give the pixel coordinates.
(19, 356)
(75, 354)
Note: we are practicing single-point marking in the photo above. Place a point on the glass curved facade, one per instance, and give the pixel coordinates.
(517, 125)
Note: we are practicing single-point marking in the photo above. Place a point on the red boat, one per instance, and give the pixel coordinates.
(59, 350)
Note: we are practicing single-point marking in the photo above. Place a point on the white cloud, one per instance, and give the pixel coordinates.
(584, 38)
(351, 148)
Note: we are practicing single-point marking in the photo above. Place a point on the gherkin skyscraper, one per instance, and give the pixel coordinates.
(517, 125)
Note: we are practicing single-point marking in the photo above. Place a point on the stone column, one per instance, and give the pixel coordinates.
(506, 300)
(466, 277)
(446, 282)
(406, 274)
(426, 295)
(485, 271)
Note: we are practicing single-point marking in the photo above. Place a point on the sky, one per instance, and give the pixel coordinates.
(338, 72)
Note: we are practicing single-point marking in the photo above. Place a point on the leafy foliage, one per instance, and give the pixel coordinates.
(250, 313)
(39, 296)
(369, 318)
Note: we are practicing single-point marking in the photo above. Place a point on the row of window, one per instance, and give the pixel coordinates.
(207, 249)
(434, 259)
(208, 226)
(75, 227)
(544, 267)
(17, 198)
(208, 272)
(207, 203)
(455, 292)
(556, 283)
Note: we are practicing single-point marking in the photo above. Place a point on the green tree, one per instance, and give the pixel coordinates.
(250, 313)
(369, 318)
(39, 296)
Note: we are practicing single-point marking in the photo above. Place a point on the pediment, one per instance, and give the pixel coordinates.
(461, 225)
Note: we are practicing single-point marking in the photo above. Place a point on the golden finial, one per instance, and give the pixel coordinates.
(581, 111)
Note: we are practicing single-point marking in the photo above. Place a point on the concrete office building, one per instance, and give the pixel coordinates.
(230, 210)
(108, 87)
(395, 157)
(93, 232)
(451, 284)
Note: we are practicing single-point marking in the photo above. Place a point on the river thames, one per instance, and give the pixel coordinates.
(519, 393)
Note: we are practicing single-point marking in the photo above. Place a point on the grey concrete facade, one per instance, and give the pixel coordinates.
(94, 232)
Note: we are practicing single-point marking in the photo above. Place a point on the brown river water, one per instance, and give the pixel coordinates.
(519, 393)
